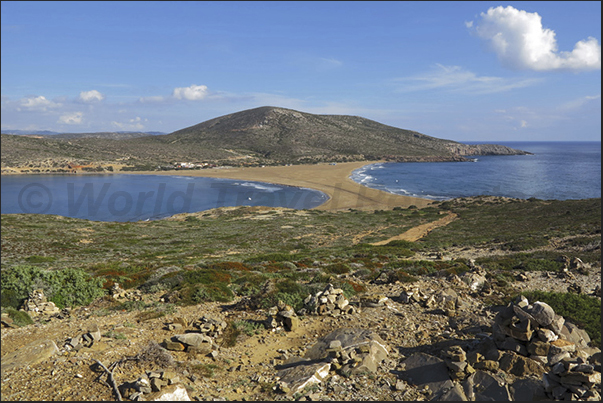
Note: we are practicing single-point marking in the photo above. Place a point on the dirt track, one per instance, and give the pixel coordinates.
(419, 231)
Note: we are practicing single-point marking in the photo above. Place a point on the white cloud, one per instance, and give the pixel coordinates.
(38, 103)
(91, 96)
(192, 93)
(151, 99)
(458, 79)
(71, 118)
(521, 42)
(582, 102)
(131, 124)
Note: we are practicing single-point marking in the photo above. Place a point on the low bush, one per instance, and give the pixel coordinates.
(20, 318)
(249, 327)
(337, 268)
(68, 287)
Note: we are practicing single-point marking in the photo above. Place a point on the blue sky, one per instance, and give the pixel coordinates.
(465, 71)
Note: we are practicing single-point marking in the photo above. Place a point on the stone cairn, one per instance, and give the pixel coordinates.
(536, 331)
(281, 316)
(211, 327)
(86, 339)
(203, 341)
(447, 300)
(155, 385)
(120, 294)
(329, 301)
(37, 304)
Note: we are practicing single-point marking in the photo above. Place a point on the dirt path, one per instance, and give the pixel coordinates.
(419, 231)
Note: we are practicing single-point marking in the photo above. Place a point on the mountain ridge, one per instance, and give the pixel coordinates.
(279, 131)
(261, 136)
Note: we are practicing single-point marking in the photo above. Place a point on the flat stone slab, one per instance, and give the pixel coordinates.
(303, 373)
(424, 369)
(349, 338)
(31, 354)
(482, 386)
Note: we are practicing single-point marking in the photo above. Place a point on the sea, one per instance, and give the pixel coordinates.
(122, 197)
(556, 170)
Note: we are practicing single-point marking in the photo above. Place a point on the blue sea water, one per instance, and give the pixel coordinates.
(557, 170)
(142, 197)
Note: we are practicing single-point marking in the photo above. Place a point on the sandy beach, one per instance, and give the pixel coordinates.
(333, 180)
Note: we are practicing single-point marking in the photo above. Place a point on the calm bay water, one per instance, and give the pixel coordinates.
(557, 170)
(142, 197)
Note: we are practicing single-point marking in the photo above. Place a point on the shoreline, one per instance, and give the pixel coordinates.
(333, 180)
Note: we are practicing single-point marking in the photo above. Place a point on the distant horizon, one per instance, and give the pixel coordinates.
(528, 71)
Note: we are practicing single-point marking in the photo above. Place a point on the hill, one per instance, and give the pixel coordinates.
(279, 133)
(260, 136)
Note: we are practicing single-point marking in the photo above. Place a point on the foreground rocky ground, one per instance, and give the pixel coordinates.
(435, 339)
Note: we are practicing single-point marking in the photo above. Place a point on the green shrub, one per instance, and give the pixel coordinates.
(401, 243)
(272, 257)
(40, 259)
(337, 268)
(20, 318)
(67, 287)
(248, 327)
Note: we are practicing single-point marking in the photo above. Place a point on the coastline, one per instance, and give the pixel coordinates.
(333, 180)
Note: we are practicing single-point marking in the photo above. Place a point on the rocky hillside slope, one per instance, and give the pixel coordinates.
(444, 321)
(435, 339)
(287, 134)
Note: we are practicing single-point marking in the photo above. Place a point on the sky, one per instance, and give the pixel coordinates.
(464, 71)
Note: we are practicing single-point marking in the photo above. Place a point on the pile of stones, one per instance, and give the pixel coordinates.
(155, 385)
(412, 294)
(530, 329)
(573, 379)
(211, 327)
(536, 331)
(330, 301)
(191, 343)
(204, 340)
(83, 340)
(348, 351)
(281, 316)
(374, 300)
(37, 304)
(119, 293)
(448, 301)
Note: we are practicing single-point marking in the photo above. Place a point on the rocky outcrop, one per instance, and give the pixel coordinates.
(484, 149)
(345, 351)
